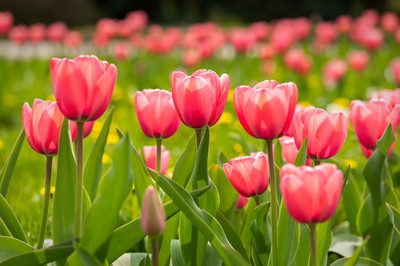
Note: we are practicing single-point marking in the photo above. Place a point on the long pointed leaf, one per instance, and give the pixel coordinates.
(10, 247)
(10, 220)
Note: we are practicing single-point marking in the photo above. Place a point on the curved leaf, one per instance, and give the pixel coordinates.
(10, 247)
(10, 220)
(394, 215)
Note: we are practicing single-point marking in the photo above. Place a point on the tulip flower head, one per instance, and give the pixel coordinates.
(390, 96)
(6, 22)
(311, 195)
(150, 156)
(156, 113)
(82, 86)
(358, 60)
(266, 110)
(200, 98)
(42, 124)
(152, 220)
(248, 174)
(370, 120)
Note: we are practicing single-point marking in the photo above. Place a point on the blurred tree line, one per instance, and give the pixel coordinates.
(82, 12)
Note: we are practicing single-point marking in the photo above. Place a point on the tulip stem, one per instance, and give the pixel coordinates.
(158, 155)
(313, 244)
(199, 132)
(274, 203)
(257, 199)
(154, 251)
(317, 162)
(45, 213)
(79, 180)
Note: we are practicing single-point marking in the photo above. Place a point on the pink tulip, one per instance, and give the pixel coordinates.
(156, 113)
(121, 51)
(334, 71)
(311, 195)
(289, 150)
(248, 174)
(325, 133)
(56, 31)
(266, 110)
(267, 51)
(344, 23)
(82, 86)
(268, 67)
(358, 60)
(150, 156)
(389, 22)
(390, 96)
(37, 33)
(242, 39)
(152, 220)
(395, 68)
(370, 120)
(372, 39)
(42, 126)
(6, 22)
(87, 128)
(241, 202)
(300, 110)
(191, 57)
(298, 61)
(326, 32)
(19, 34)
(302, 28)
(200, 98)
(73, 39)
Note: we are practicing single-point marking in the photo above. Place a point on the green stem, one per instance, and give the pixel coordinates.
(46, 201)
(313, 244)
(274, 203)
(257, 199)
(317, 162)
(158, 154)
(198, 136)
(79, 180)
(154, 251)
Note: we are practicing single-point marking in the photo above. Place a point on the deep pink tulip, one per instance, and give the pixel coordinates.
(311, 195)
(200, 98)
(6, 22)
(289, 150)
(372, 39)
(358, 60)
(73, 39)
(248, 174)
(42, 126)
(82, 86)
(300, 110)
(395, 68)
(344, 23)
(390, 96)
(87, 128)
(156, 113)
(389, 22)
(241, 202)
(370, 120)
(334, 71)
(56, 31)
(19, 34)
(325, 133)
(266, 110)
(297, 60)
(150, 156)
(326, 32)
(37, 33)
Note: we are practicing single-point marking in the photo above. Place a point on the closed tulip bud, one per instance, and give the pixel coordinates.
(325, 133)
(289, 150)
(82, 86)
(266, 110)
(241, 202)
(150, 156)
(42, 126)
(248, 174)
(311, 195)
(200, 98)
(389, 22)
(6, 22)
(370, 120)
(152, 220)
(156, 113)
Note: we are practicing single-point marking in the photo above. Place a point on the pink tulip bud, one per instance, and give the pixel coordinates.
(42, 126)
(311, 195)
(334, 71)
(121, 51)
(37, 33)
(325, 133)
(358, 60)
(73, 39)
(19, 34)
(6, 22)
(156, 113)
(266, 110)
(200, 98)
(370, 120)
(344, 23)
(289, 150)
(82, 86)
(389, 22)
(241, 202)
(150, 156)
(372, 39)
(56, 31)
(248, 174)
(152, 220)
(298, 61)
(326, 32)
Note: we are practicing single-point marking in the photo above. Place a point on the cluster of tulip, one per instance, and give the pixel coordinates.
(83, 87)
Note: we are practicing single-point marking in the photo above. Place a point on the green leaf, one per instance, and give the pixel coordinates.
(131, 259)
(182, 171)
(141, 177)
(303, 250)
(3, 229)
(176, 255)
(114, 187)
(85, 258)
(260, 229)
(302, 154)
(373, 170)
(345, 244)
(222, 158)
(211, 257)
(394, 215)
(41, 256)
(245, 231)
(353, 260)
(324, 240)
(227, 193)
(288, 236)
(64, 195)
(10, 220)
(352, 200)
(10, 247)
(203, 221)
(231, 233)
(361, 262)
(278, 154)
(120, 243)
(8, 167)
(93, 165)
